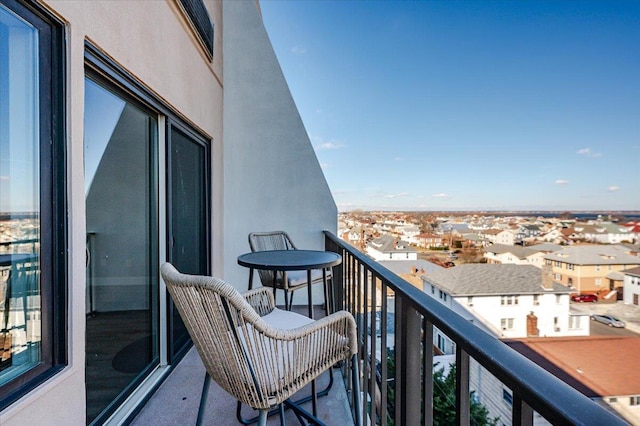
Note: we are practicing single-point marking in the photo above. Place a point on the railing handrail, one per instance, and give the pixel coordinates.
(549, 396)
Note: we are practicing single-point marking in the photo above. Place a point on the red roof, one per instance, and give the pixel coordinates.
(596, 366)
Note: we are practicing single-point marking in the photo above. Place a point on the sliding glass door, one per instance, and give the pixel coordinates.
(188, 214)
(121, 186)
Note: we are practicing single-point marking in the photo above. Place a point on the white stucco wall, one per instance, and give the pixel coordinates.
(631, 288)
(272, 178)
(154, 42)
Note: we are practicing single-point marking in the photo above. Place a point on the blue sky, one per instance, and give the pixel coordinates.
(482, 105)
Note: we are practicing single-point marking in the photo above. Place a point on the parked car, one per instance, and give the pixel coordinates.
(609, 320)
(584, 298)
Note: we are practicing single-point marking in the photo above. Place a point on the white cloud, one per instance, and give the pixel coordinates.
(297, 50)
(588, 152)
(328, 145)
(442, 196)
(613, 188)
(320, 144)
(398, 159)
(562, 182)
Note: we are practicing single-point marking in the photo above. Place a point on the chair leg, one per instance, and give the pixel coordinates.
(355, 388)
(282, 420)
(262, 420)
(203, 398)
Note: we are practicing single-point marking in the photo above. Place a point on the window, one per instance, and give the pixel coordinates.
(570, 281)
(557, 277)
(598, 282)
(558, 264)
(570, 266)
(32, 198)
(556, 324)
(470, 301)
(574, 322)
(558, 299)
(433, 289)
(536, 299)
(597, 267)
(508, 300)
(507, 396)
(506, 323)
(634, 400)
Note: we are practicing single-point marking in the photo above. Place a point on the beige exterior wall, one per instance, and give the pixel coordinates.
(154, 42)
(586, 278)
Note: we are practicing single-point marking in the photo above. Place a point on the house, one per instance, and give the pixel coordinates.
(116, 113)
(555, 235)
(631, 286)
(410, 270)
(604, 233)
(592, 268)
(578, 361)
(499, 236)
(526, 231)
(507, 300)
(532, 255)
(387, 247)
(428, 240)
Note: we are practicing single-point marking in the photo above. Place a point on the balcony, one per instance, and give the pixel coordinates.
(396, 320)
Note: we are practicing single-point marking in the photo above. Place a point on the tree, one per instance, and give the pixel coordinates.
(444, 397)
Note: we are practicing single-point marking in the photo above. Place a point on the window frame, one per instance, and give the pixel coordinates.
(53, 201)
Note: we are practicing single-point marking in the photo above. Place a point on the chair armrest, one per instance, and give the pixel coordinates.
(261, 300)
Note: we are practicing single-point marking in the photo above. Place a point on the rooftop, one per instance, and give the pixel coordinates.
(584, 362)
(595, 255)
(491, 279)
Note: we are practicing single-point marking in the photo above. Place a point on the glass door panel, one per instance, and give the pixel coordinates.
(188, 217)
(122, 247)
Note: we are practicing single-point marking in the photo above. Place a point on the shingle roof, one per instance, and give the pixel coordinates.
(491, 279)
(405, 266)
(586, 362)
(522, 252)
(387, 244)
(633, 271)
(595, 255)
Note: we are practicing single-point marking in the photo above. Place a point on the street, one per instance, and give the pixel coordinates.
(599, 329)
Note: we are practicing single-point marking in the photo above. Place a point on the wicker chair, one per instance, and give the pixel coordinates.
(260, 364)
(287, 281)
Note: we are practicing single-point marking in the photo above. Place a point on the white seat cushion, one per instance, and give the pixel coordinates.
(285, 320)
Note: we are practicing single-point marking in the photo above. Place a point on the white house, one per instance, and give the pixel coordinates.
(387, 247)
(517, 255)
(508, 300)
(499, 236)
(631, 286)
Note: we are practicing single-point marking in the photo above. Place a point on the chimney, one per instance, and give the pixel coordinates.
(547, 277)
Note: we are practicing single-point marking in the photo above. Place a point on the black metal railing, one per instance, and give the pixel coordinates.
(396, 319)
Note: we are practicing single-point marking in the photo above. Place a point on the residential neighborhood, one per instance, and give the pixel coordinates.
(530, 282)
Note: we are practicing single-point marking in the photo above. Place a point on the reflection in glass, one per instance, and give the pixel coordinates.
(188, 217)
(20, 309)
(122, 282)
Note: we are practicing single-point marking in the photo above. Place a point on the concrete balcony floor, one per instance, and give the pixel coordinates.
(176, 401)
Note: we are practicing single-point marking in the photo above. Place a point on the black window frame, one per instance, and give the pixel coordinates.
(53, 201)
